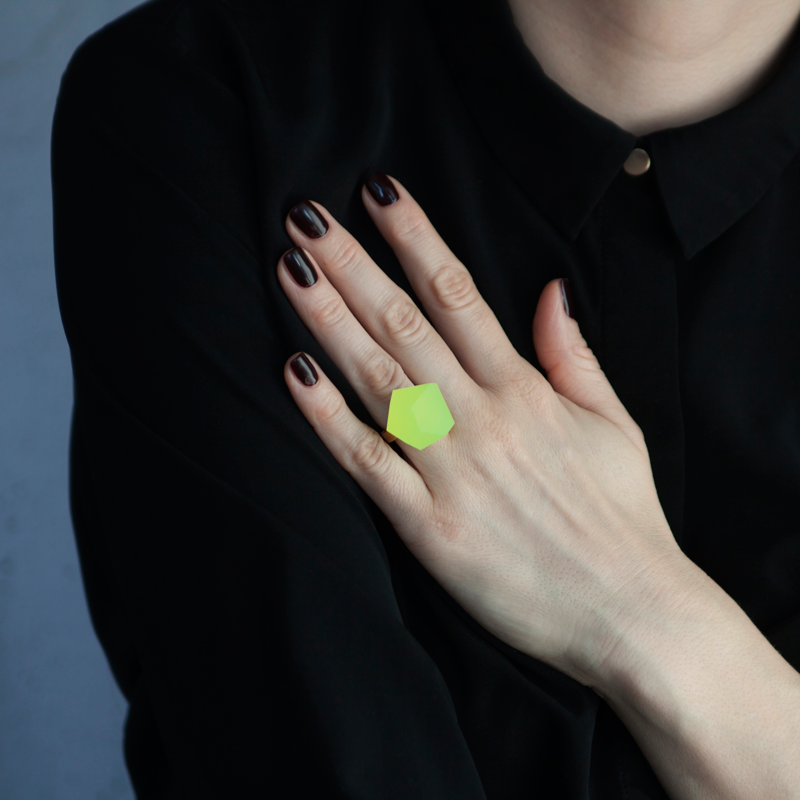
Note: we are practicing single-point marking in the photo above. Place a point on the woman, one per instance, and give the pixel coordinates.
(584, 583)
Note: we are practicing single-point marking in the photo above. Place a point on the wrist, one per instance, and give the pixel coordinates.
(685, 613)
(619, 645)
(714, 707)
(686, 647)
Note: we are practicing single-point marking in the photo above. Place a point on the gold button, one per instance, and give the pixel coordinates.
(637, 163)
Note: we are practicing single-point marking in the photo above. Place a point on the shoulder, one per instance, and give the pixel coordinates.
(198, 29)
(168, 48)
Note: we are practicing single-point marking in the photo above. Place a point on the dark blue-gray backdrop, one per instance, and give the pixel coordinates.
(61, 714)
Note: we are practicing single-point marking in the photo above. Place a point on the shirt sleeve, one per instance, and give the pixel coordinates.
(237, 576)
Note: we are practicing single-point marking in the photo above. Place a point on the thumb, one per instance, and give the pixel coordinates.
(568, 362)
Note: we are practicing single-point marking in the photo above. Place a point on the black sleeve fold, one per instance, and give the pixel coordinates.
(235, 575)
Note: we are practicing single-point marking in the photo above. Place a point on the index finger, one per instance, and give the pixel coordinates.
(443, 285)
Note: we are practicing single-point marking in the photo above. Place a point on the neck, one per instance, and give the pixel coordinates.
(654, 64)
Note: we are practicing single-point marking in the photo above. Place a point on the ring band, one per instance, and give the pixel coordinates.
(388, 437)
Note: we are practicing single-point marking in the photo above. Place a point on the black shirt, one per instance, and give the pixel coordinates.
(272, 633)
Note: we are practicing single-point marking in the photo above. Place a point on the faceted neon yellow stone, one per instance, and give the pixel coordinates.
(419, 415)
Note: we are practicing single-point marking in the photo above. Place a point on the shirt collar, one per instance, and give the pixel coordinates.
(564, 155)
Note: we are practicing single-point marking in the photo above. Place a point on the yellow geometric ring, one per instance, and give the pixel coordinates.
(418, 415)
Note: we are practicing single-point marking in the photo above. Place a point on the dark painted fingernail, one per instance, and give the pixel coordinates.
(300, 268)
(309, 220)
(382, 189)
(566, 297)
(303, 369)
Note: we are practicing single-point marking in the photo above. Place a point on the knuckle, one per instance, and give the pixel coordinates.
(330, 313)
(453, 288)
(518, 380)
(409, 228)
(537, 396)
(449, 530)
(371, 453)
(403, 322)
(346, 254)
(497, 432)
(381, 376)
(583, 355)
(330, 412)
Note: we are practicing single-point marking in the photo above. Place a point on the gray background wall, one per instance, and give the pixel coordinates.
(61, 714)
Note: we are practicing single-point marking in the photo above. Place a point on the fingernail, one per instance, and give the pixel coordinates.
(382, 189)
(303, 369)
(300, 268)
(566, 297)
(309, 220)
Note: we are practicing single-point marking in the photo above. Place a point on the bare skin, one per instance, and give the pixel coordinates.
(654, 64)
